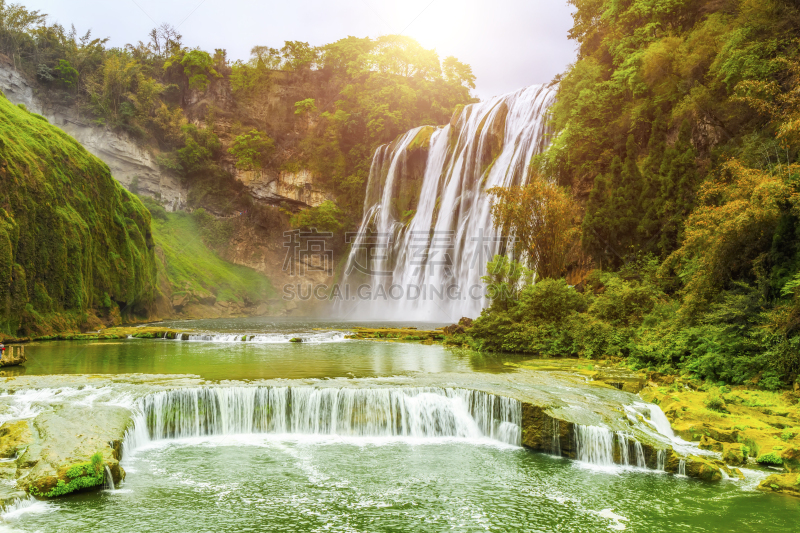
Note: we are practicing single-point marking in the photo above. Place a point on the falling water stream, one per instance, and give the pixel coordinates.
(430, 265)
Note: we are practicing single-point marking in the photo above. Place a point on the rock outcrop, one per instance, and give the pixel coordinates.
(130, 164)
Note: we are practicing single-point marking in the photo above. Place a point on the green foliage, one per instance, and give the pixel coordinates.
(251, 149)
(67, 75)
(770, 458)
(74, 234)
(191, 266)
(303, 107)
(80, 476)
(326, 217)
(679, 120)
(200, 146)
(504, 279)
(715, 403)
(198, 68)
(549, 300)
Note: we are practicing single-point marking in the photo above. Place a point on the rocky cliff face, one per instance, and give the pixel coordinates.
(130, 164)
(136, 168)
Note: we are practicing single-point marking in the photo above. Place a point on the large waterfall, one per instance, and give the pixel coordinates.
(385, 412)
(427, 232)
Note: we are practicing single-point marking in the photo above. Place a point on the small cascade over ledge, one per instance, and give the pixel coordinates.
(427, 231)
(347, 412)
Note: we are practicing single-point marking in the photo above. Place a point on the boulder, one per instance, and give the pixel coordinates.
(783, 483)
(707, 443)
(734, 454)
(704, 468)
(791, 459)
(67, 437)
(14, 436)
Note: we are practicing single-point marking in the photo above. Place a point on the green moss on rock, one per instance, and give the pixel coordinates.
(770, 458)
(70, 236)
(77, 477)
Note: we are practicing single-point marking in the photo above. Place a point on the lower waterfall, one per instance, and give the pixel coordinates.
(597, 446)
(390, 412)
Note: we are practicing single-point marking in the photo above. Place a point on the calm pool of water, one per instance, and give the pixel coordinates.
(324, 354)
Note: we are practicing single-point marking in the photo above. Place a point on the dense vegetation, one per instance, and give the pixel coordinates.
(361, 93)
(190, 263)
(73, 242)
(677, 130)
(77, 250)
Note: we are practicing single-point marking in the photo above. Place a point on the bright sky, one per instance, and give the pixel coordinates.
(509, 43)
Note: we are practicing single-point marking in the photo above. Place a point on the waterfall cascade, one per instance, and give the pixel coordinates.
(412, 412)
(427, 232)
(108, 481)
(262, 338)
(597, 446)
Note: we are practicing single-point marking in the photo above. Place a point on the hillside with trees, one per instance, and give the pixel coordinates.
(206, 117)
(676, 137)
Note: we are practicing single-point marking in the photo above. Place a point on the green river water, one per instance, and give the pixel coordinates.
(304, 483)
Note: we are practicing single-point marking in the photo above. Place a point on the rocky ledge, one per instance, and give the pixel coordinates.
(59, 431)
(744, 427)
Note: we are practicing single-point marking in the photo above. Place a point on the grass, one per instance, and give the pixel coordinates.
(191, 266)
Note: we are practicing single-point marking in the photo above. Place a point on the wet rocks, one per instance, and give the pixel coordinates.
(782, 483)
(735, 454)
(705, 468)
(65, 436)
(14, 436)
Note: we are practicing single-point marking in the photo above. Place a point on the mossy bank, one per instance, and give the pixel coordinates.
(75, 247)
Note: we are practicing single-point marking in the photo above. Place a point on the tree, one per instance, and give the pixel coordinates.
(325, 217)
(303, 107)
(198, 66)
(542, 218)
(251, 149)
(457, 72)
(298, 55)
(505, 279)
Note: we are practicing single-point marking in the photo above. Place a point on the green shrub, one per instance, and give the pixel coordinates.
(715, 403)
(770, 458)
(80, 476)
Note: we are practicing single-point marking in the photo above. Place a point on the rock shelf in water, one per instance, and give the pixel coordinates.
(53, 423)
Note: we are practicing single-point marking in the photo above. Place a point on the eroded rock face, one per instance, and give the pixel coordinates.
(290, 187)
(131, 165)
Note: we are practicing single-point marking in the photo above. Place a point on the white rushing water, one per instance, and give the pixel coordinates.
(390, 412)
(430, 266)
(319, 337)
(597, 446)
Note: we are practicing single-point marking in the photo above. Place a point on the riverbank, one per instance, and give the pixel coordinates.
(746, 427)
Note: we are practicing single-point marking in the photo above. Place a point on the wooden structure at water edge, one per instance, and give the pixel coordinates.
(13, 356)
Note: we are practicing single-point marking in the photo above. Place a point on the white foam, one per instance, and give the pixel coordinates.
(617, 520)
(26, 506)
(317, 337)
